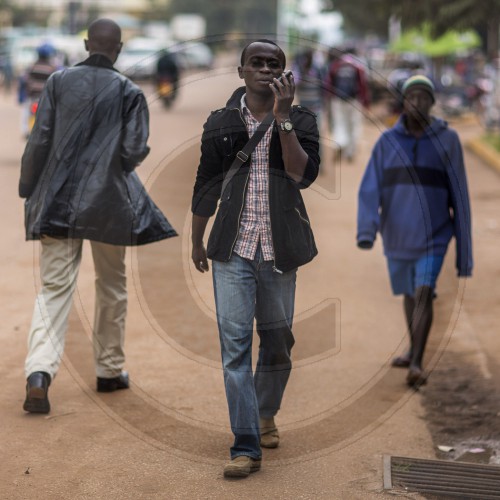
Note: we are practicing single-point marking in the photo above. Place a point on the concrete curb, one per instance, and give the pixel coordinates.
(485, 152)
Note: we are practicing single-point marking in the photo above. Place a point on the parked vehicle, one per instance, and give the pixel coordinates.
(188, 26)
(68, 50)
(193, 55)
(139, 57)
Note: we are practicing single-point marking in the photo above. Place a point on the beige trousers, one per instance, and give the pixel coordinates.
(59, 264)
(347, 125)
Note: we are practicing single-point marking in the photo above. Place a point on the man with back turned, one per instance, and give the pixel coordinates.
(78, 178)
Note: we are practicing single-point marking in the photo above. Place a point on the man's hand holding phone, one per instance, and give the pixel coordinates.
(284, 78)
(284, 91)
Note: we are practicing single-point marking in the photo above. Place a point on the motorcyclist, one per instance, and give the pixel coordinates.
(34, 81)
(168, 69)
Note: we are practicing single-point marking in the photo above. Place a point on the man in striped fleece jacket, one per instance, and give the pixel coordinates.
(414, 192)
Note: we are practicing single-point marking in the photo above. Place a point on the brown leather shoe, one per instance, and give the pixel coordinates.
(269, 435)
(241, 466)
(37, 390)
(113, 384)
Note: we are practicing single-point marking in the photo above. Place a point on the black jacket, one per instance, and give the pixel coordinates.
(225, 134)
(77, 171)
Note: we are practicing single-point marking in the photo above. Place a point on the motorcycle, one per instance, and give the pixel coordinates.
(33, 107)
(167, 90)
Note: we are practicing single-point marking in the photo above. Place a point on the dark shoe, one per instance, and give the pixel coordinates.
(401, 361)
(113, 384)
(37, 389)
(241, 466)
(269, 435)
(416, 378)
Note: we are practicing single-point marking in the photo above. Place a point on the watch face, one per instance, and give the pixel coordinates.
(288, 126)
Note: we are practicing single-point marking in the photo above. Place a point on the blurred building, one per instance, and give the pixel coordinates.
(73, 16)
(108, 5)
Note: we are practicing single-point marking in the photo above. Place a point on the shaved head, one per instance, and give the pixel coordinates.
(104, 37)
(263, 40)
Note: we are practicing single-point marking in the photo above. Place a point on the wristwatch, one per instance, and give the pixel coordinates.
(286, 126)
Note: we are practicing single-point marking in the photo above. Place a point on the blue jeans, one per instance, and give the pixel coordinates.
(244, 290)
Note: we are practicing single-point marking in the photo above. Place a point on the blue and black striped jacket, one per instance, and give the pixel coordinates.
(414, 192)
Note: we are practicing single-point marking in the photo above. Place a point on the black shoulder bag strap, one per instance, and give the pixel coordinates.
(243, 155)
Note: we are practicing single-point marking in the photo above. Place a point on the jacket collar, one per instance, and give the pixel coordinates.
(235, 100)
(98, 60)
(436, 126)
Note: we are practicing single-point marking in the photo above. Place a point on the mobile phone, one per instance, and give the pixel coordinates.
(287, 75)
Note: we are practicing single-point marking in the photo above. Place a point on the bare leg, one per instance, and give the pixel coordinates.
(403, 361)
(420, 328)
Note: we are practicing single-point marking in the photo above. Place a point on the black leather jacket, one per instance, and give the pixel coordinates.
(225, 134)
(77, 170)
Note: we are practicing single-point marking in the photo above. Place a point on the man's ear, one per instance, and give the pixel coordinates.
(86, 43)
(240, 72)
(120, 46)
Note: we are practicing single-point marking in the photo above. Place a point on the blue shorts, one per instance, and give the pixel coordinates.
(408, 275)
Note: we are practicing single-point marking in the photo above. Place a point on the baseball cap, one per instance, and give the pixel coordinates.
(45, 50)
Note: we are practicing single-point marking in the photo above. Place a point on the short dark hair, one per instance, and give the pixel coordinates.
(262, 40)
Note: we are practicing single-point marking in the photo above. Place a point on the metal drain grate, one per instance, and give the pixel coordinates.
(437, 477)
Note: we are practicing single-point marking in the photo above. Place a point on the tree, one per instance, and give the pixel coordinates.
(461, 15)
(371, 16)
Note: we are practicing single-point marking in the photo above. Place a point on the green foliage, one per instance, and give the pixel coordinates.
(362, 16)
(461, 15)
(451, 14)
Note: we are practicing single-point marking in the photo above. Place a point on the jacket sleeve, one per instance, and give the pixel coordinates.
(39, 143)
(461, 209)
(308, 136)
(208, 184)
(135, 133)
(369, 197)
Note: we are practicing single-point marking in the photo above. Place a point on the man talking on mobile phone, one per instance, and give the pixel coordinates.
(260, 236)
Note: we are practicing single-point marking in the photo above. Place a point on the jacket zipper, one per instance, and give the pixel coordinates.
(243, 199)
(275, 269)
(239, 218)
(302, 218)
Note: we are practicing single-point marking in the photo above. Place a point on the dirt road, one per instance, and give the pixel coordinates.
(168, 437)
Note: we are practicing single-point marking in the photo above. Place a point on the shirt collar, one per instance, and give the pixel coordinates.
(243, 105)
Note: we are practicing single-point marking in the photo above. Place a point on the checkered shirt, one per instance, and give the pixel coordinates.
(255, 222)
